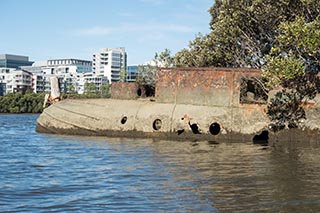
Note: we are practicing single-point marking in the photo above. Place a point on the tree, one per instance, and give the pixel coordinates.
(90, 88)
(293, 64)
(71, 89)
(105, 90)
(243, 32)
(285, 109)
(280, 37)
(21, 103)
(163, 59)
(146, 78)
(296, 49)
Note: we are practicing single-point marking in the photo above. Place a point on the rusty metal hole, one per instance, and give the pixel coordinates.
(214, 128)
(195, 128)
(157, 124)
(124, 119)
(262, 138)
(139, 92)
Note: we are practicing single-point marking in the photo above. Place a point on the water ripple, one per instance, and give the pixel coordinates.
(47, 173)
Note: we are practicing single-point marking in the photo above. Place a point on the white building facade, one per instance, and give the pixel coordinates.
(17, 81)
(90, 78)
(68, 71)
(5, 77)
(73, 75)
(109, 62)
(81, 65)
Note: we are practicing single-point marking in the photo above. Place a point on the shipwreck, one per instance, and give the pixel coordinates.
(210, 104)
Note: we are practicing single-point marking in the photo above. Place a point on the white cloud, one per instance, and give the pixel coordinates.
(130, 28)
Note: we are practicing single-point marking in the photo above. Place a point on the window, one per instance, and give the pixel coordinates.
(252, 91)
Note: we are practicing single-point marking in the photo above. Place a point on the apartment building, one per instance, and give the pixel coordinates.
(67, 71)
(109, 62)
(5, 76)
(70, 65)
(97, 80)
(14, 61)
(81, 65)
(73, 74)
(18, 81)
(38, 83)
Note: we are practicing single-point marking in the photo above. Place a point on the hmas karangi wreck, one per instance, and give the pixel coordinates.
(189, 104)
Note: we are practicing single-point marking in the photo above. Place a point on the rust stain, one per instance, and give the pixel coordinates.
(201, 86)
(253, 107)
(308, 105)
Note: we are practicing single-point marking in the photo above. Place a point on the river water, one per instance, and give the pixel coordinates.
(50, 173)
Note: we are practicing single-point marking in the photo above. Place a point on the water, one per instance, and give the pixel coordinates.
(49, 173)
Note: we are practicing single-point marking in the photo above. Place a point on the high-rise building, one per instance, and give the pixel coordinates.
(14, 61)
(132, 72)
(109, 62)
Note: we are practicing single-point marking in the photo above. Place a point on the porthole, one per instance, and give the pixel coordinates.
(124, 119)
(157, 124)
(214, 128)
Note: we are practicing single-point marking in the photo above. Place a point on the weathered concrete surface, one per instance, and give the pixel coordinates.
(105, 117)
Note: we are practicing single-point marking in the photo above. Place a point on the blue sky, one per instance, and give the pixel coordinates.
(47, 29)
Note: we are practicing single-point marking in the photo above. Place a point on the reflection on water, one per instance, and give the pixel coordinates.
(57, 173)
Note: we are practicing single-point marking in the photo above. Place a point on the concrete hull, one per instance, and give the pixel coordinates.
(138, 118)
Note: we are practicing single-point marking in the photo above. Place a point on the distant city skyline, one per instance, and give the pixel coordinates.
(46, 30)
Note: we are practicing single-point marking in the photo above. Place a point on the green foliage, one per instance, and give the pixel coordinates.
(164, 58)
(90, 88)
(199, 53)
(293, 64)
(33, 102)
(285, 110)
(147, 76)
(91, 91)
(301, 37)
(281, 37)
(123, 75)
(243, 32)
(18, 103)
(281, 68)
(286, 107)
(80, 96)
(296, 49)
(105, 91)
(71, 89)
